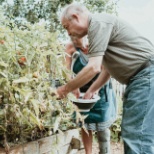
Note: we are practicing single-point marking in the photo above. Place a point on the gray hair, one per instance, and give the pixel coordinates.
(73, 8)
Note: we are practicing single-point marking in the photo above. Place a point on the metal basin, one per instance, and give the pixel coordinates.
(85, 105)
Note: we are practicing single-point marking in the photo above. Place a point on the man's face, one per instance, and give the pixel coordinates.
(74, 27)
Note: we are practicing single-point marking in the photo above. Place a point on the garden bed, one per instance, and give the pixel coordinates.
(67, 142)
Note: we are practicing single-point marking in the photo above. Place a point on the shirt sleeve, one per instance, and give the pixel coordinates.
(99, 34)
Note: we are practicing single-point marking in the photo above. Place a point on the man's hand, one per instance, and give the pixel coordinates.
(88, 95)
(61, 92)
(76, 92)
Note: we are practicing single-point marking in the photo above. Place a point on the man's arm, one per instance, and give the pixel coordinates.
(103, 77)
(84, 76)
(70, 49)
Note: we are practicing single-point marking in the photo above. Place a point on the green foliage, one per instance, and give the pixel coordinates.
(101, 5)
(116, 130)
(30, 61)
(31, 58)
(47, 11)
(116, 126)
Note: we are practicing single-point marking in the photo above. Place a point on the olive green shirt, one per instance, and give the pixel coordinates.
(123, 49)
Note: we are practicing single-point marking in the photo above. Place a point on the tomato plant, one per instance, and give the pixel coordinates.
(29, 63)
(22, 60)
(2, 41)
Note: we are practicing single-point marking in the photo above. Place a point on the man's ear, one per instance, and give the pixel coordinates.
(75, 16)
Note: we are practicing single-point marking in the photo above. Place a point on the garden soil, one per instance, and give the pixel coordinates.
(116, 148)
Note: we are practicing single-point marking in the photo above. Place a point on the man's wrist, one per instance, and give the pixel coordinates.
(66, 90)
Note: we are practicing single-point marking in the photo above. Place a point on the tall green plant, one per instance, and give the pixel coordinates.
(30, 61)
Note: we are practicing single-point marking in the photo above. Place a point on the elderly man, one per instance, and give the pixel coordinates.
(129, 58)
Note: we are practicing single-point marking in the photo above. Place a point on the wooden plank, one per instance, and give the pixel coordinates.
(31, 148)
(53, 144)
(56, 141)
